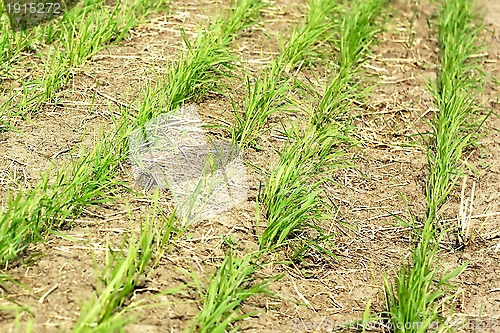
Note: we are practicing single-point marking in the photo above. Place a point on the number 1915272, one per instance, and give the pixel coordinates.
(34, 8)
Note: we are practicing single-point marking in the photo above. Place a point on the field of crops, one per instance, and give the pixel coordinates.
(251, 165)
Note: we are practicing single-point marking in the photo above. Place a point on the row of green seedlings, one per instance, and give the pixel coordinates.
(235, 280)
(420, 297)
(201, 68)
(269, 94)
(91, 181)
(292, 194)
(110, 308)
(200, 74)
(58, 47)
(29, 214)
(197, 70)
(57, 200)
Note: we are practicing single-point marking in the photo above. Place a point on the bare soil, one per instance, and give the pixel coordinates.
(370, 242)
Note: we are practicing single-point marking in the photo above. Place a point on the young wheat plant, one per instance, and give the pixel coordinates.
(420, 295)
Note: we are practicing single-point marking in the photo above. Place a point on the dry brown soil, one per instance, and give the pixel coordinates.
(391, 165)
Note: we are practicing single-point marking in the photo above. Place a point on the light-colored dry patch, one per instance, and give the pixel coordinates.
(391, 164)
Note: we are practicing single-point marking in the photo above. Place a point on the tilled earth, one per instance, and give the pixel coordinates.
(58, 275)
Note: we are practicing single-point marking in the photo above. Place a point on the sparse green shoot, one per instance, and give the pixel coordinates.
(357, 32)
(231, 284)
(205, 63)
(109, 310)
(269, 93)
(59, 198)
(292, 194)
(80, 33)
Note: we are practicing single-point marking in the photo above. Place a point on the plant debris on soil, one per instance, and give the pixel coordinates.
(55, 278)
